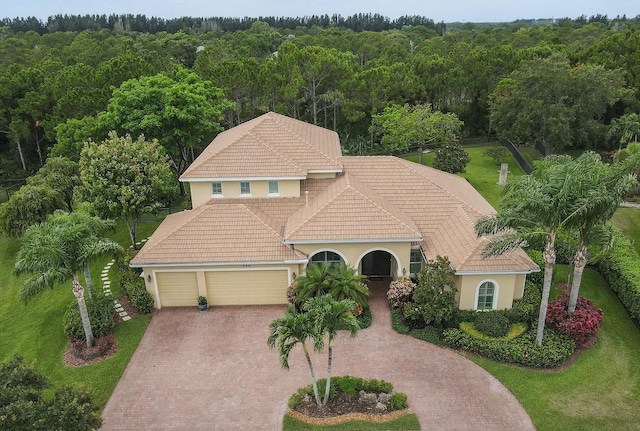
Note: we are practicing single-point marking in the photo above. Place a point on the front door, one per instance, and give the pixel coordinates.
(377, 263)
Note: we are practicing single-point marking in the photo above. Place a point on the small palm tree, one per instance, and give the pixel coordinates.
(315, 282)
(56, 250)
(330, 316)
(296, 328)
(347, 284)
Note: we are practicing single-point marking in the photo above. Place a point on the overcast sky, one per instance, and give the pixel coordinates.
(440, 10)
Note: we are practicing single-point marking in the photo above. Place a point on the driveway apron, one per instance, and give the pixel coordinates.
(213, 371)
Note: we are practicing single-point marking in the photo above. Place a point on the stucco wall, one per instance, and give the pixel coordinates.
(510, 287)
(352, 253)
(201, 190)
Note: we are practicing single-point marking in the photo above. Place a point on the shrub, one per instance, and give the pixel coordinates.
(516, 330)
(400, 291)
(492, 323)
(133, 285)
(526, 309)
(555, 350)
(536, 277)
(348, 385)
(621, 269)
(581, 325)
(397, 323)
(101, 311)
(365, 318)
(399, 401)
(451, 158)
(433, 301)
(429, 334)
(499, 154)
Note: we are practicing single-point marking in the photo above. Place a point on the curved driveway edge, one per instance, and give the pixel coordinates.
(214, 371)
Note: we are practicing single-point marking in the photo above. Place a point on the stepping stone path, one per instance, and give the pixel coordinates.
(106, 286)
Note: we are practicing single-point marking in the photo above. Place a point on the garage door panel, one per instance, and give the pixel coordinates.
(177, 289)
(247, 287)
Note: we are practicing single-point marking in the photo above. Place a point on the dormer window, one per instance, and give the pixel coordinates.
(245, 188)
(216, 188)
(274, 188)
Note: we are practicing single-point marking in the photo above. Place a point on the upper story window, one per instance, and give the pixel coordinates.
(415, 261)
(216, 188)
(274, 188)
(487, 293)
(245, 188)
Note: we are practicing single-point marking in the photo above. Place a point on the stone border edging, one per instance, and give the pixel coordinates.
(349, 417)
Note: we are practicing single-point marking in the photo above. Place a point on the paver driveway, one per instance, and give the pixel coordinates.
(214, 371)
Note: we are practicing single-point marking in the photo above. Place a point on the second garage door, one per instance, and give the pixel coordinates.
(247, 287)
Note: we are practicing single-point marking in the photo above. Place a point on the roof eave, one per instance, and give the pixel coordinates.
(256, 262)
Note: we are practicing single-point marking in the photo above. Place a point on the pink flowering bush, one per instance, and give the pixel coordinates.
(400, 291)
(581, 325)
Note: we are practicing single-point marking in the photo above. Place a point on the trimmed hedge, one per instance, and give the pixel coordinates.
(365, 318)
(516, 330)
(621, 270)
(133, 284)
(495, 325)
(555, 349)
(101, 311)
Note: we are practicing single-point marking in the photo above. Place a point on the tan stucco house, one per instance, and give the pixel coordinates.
(273, 194)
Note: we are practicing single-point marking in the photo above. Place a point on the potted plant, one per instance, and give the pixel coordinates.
(202, 303)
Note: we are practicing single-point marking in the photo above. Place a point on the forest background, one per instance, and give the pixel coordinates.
(337, 72)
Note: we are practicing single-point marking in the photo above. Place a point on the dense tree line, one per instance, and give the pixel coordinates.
(332, 71)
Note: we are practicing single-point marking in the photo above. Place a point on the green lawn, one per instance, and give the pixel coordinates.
(35, 329)
(404, 423)
(481, 172)
(628, 221)
(600, 390)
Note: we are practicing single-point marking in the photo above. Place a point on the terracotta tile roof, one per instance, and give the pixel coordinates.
(271, 145)
(215, 233)
(349, 210)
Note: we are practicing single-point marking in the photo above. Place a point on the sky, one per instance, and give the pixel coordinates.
(438, 10)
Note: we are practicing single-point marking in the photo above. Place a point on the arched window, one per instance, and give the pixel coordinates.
(325, 256)
(487, 296)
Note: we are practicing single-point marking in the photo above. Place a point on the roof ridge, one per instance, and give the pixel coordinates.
(257, 212)
(273, 150)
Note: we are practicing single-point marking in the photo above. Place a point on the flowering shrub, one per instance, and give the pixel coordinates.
(291, 294)
(400, 291)
(581, 325)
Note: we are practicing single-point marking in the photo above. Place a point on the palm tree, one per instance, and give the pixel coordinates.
(602, 189)
(294, 328)
(56, 250)
(330, 316)
(347, 284)
(534, 205)
(315, 282)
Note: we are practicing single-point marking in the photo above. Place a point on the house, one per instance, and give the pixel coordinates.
(274, 194)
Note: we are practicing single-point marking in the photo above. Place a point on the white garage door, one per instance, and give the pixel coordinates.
(247, 287)
(177, 289)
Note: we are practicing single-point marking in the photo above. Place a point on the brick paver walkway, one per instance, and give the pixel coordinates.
(214, 371)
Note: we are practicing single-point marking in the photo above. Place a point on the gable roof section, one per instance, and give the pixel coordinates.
(271, 145)
(211, 233)
(348, 210)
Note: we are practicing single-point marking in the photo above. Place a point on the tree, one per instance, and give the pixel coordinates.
(535, 205)
(315, 282)
(23, 406)
(292, 329)
(433, 300)
(30, 205)
(546, 100)
(126, 179)
(601, 189)
(61, 174)
(54, 252)
(331, 315)
(626, 129)
(451, 158)
(180, 111)
(404, 127)
(340, 281)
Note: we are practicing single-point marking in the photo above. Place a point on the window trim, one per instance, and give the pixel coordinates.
(496, 290)
(325, 251)
(248, 185)
(213, 190)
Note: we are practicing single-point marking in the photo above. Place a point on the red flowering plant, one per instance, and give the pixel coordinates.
(400, 291)
(581, 325)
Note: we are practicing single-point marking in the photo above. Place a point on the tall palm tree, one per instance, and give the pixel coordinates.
(601, 190)
(296, 328)
(55, 250)
(330, 316)
(532, 206)
(346, 283)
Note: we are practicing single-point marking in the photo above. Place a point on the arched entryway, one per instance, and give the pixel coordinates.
(378, 264)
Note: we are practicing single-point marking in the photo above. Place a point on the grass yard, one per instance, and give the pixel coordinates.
(601, 390)
(404, 423)
(481, 172)
(628, 221)
(35, 329)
